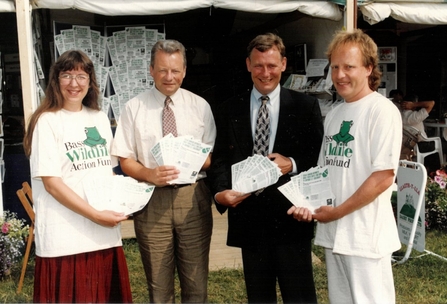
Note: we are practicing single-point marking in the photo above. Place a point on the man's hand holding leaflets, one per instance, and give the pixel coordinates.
(185, 153)
(310, 189)
(254, 173)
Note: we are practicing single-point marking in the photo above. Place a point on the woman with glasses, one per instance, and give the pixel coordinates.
(79, 254)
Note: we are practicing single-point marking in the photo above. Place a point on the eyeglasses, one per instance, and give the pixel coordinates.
(81, 79)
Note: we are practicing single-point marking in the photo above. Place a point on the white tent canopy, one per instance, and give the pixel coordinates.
(7, 6)
(408, 11)
(416, 13)
(320, 9)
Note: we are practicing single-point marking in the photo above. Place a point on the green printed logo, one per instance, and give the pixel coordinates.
(93, 137)
(343, 136)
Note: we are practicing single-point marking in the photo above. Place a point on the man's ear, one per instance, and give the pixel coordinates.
(284, 64)
(248, 63)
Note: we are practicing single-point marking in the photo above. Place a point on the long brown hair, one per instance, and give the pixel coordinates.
(54, 101)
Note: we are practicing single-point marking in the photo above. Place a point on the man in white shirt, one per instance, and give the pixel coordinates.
(174, 229)
(413, 112)
(361, 148)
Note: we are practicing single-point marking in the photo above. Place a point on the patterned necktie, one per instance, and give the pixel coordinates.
(169, 125)
(262, 133)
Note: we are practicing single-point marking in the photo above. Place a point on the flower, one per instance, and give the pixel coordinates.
(440, 178)
(12, 237)
(436, 200)
(5, 228)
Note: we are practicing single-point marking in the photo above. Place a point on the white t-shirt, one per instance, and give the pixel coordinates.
(140, 124)
(369, 137)
(73, 146)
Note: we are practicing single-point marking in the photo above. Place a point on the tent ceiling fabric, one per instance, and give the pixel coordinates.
(7, 6)
(416, 13)
(424, 12)
(319, 9)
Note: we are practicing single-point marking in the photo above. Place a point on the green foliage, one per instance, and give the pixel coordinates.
(435, 206)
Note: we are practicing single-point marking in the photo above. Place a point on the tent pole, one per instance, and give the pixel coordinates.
(351, 15)
(26, 55)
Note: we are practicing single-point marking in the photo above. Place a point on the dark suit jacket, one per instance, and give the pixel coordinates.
(263, 219)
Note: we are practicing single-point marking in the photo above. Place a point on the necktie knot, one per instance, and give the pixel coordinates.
(168, 100)
(264, 100)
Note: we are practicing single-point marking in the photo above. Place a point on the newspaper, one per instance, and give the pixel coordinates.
(310, 189)
(185, 153)
(118, 193)
(254, 173)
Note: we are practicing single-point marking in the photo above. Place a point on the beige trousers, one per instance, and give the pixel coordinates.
(174, 230)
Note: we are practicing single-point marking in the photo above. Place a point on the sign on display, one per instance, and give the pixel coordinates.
(411, 180)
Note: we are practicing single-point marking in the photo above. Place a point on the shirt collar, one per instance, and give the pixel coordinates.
(273, 96)
(160, 97)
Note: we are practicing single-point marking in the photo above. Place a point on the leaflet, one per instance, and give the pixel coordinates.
(254, 173)
(310, 189)
(118, 193)
(185, 153)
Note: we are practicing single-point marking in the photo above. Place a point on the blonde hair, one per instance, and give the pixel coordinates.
(367, 47)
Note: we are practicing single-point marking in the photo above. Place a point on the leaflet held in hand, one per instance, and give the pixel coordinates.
(117, 193)
(254, 173)
(310, 189)
(185, 153)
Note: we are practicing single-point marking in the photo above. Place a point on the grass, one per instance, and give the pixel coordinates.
(419, 280)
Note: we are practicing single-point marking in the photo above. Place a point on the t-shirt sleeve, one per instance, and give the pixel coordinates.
(386, 138)
(45, 158)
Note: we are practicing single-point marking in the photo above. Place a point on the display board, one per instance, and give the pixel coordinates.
(410, 212)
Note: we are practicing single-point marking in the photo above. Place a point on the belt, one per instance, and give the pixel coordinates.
(177, 186)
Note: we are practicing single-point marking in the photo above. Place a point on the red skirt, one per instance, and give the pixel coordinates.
(93, 277)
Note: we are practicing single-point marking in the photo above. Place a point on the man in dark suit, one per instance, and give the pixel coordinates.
(274, 245)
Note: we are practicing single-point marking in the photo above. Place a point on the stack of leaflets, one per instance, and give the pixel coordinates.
(310, 189)
(185, 153)
(117, 193)
(254, 173)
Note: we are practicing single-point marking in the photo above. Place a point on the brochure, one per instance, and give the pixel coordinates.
(310, 189)
(254, 173)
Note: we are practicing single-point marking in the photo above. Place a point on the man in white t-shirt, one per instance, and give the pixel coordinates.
(361, 147)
